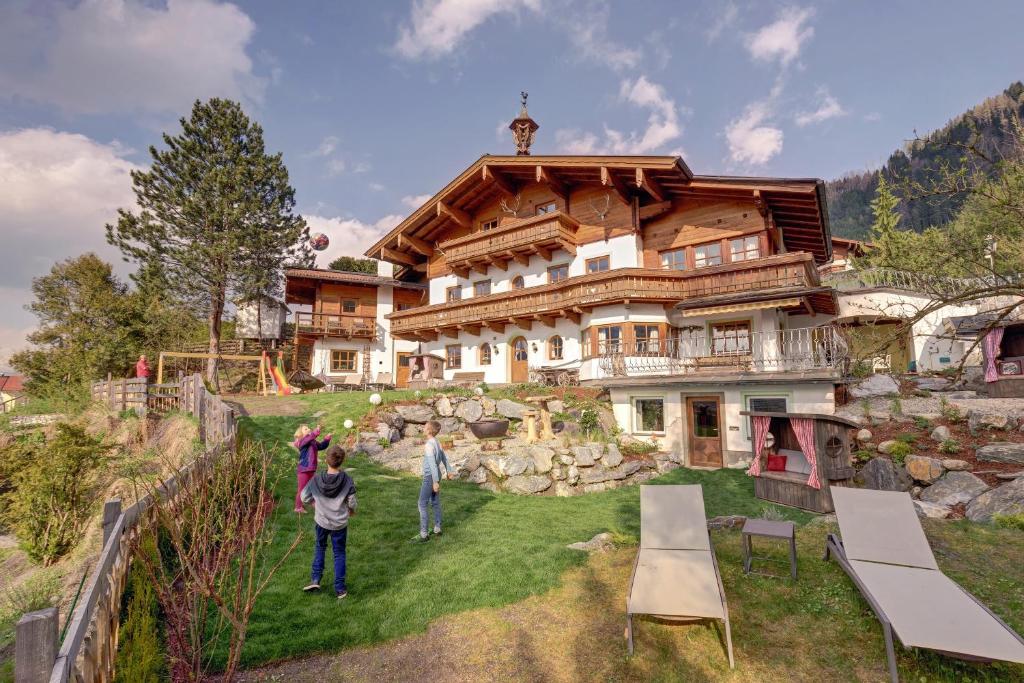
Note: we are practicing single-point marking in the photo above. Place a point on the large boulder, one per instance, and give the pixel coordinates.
(479, 475)
(563, 490)
(599, 543)
(556, 406)
(923, 469)
(933, 383)
(882, 475)
(572, 475)
(583, 455)
(594, 475)
(875, 385)
(978, 420)
(507, 465)
(632, 467)
(488, 405)
(392, 420)
(1002, 451)
(542, 456)
(511, 409)
(1007, 499)
(527, 484)
(954, 465)
(416, 413)
(864, 435)
(885, 447)
(388, 433)
(443, 406)
(469, 411)
(613, 458)
(932, 510)
(954, 488)
(940, 433)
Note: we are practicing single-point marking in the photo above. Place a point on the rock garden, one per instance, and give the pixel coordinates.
(958, 453)
(583, 454)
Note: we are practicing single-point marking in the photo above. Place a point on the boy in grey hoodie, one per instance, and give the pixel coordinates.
(333, 494)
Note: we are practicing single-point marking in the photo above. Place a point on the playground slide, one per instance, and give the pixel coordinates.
(277, 374)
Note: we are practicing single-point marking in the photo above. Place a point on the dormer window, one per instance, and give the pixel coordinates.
(549, 207)
(489, 225)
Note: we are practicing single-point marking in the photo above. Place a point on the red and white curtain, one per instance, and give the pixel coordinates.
(803, 427)
(990, 348)
(761, 423)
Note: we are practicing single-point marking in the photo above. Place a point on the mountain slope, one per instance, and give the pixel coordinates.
(849, 197)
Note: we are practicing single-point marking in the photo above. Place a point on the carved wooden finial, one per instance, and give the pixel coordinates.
(523, 127)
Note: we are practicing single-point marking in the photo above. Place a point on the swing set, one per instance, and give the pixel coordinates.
(270, 375)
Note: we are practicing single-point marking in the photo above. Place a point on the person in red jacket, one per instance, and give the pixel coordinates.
(142, 367)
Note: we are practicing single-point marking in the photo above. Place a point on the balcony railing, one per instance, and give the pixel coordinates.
(335, 325)
(801, 349)
(934, 285)
(572, 295)
(516, 238)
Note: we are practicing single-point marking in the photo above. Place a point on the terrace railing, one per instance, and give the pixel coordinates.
(801, 349)
(335, 325)
(935, 285)
(516, 237)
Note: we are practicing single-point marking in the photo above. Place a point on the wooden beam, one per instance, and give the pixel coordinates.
(548, 320)
(416, 244)
(573, 316)
(759, 202)
(461, 271)
(521, 259)
(397, 257)
(480, 267)
(472, 329)
(649, 185)
(495, 325)
(447, 332)
(567, 246)
(500, 263)
(499, 179)
(651, 210)
(545, 176)
(609, 180)
(457, 215)
(523, 323)
(542, 252)
(428, 336)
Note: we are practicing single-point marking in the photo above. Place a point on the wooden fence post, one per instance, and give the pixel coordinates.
(111, 511)
(35, 646)
(110, 390)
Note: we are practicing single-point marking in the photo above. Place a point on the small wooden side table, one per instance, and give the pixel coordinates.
(768, 529)
(546, 431)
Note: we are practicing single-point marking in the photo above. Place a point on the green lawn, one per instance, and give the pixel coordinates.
(497, 548)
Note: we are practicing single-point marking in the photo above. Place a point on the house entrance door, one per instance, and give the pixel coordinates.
(704, 416)
(520, 371)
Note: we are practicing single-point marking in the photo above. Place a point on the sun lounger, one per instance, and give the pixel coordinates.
(884, 550)
(675, 575)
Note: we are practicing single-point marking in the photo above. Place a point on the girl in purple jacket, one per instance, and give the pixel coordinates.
(307, 445)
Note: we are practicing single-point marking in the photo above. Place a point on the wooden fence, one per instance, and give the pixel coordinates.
(89, 647)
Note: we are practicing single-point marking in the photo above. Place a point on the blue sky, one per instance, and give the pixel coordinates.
(375, 104)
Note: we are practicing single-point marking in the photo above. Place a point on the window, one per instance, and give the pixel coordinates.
(558, 273)
(648, 415)
(707, 255)
(609, 339)
(485, 354)
(482, 288)
(674, 260)
(745, 248)
(518, 282)
(548, 207)
(730, 339)
(453, 356)
(404, 306)
(343, 361)
(489, 225)
(599, 264)
(453, 293)
(648, 338)
(555, 348)
(348, 306)
(762, 404)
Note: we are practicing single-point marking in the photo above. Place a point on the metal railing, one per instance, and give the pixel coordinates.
(938, 285)
(807, 348)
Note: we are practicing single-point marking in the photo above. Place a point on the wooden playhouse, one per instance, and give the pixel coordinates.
(797, 456)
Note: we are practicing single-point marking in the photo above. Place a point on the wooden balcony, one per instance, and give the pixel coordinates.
(334, 325)
(788, 274)
(517, 240)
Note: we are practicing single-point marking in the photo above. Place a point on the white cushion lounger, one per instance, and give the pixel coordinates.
(675, 575)
(884, 550)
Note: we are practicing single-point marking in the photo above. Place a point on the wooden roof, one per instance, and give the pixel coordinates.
(300, 283)
(797, 204)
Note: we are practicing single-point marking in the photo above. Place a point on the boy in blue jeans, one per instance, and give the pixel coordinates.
(334, 494)
(430, 490)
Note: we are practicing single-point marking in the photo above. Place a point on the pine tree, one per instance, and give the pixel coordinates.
(884, 234)
(216, 212)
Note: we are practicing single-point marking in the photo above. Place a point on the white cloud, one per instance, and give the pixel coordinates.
(663, 124)
(416, 201)
(349, 236)
(587, 28)
(325, 148)
(873, 116)
(829, 108)
(725, 19)
(751, 140)
(128, 55)
(57, 191)
(437, 27)
(376, 187)
(782, 39)
(335, 166)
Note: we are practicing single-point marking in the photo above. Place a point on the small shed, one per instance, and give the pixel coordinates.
(425, 371)
(797, 456)
(264, 322)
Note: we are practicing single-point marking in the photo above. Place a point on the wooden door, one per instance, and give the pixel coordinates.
(704, 417)
(402, 370)
(520, 360)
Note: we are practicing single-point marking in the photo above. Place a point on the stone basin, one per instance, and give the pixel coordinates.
(488, 429)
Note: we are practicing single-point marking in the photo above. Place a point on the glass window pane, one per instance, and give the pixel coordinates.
(674, 260)
(705, 418)
(650, 415)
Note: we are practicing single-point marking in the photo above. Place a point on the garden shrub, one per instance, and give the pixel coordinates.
(862, 456)
(36, 593)
(906, 438)
(55, 492)
(949, 446)
(1009, 521)
(949, 411)
(588, 420)
(140, 655)
(922, 422)
(899, 452)
(896, 406)
(638, 448)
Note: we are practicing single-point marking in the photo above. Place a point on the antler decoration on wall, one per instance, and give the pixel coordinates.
(512, 209)
(601, 212)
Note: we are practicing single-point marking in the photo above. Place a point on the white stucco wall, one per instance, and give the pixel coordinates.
(804, 397)
(271, 318)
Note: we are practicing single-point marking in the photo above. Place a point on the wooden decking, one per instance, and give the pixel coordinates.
(334, 325)
(573, 296)
(517, 239)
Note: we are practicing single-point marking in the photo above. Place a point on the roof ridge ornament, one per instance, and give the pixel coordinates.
(523, 127)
